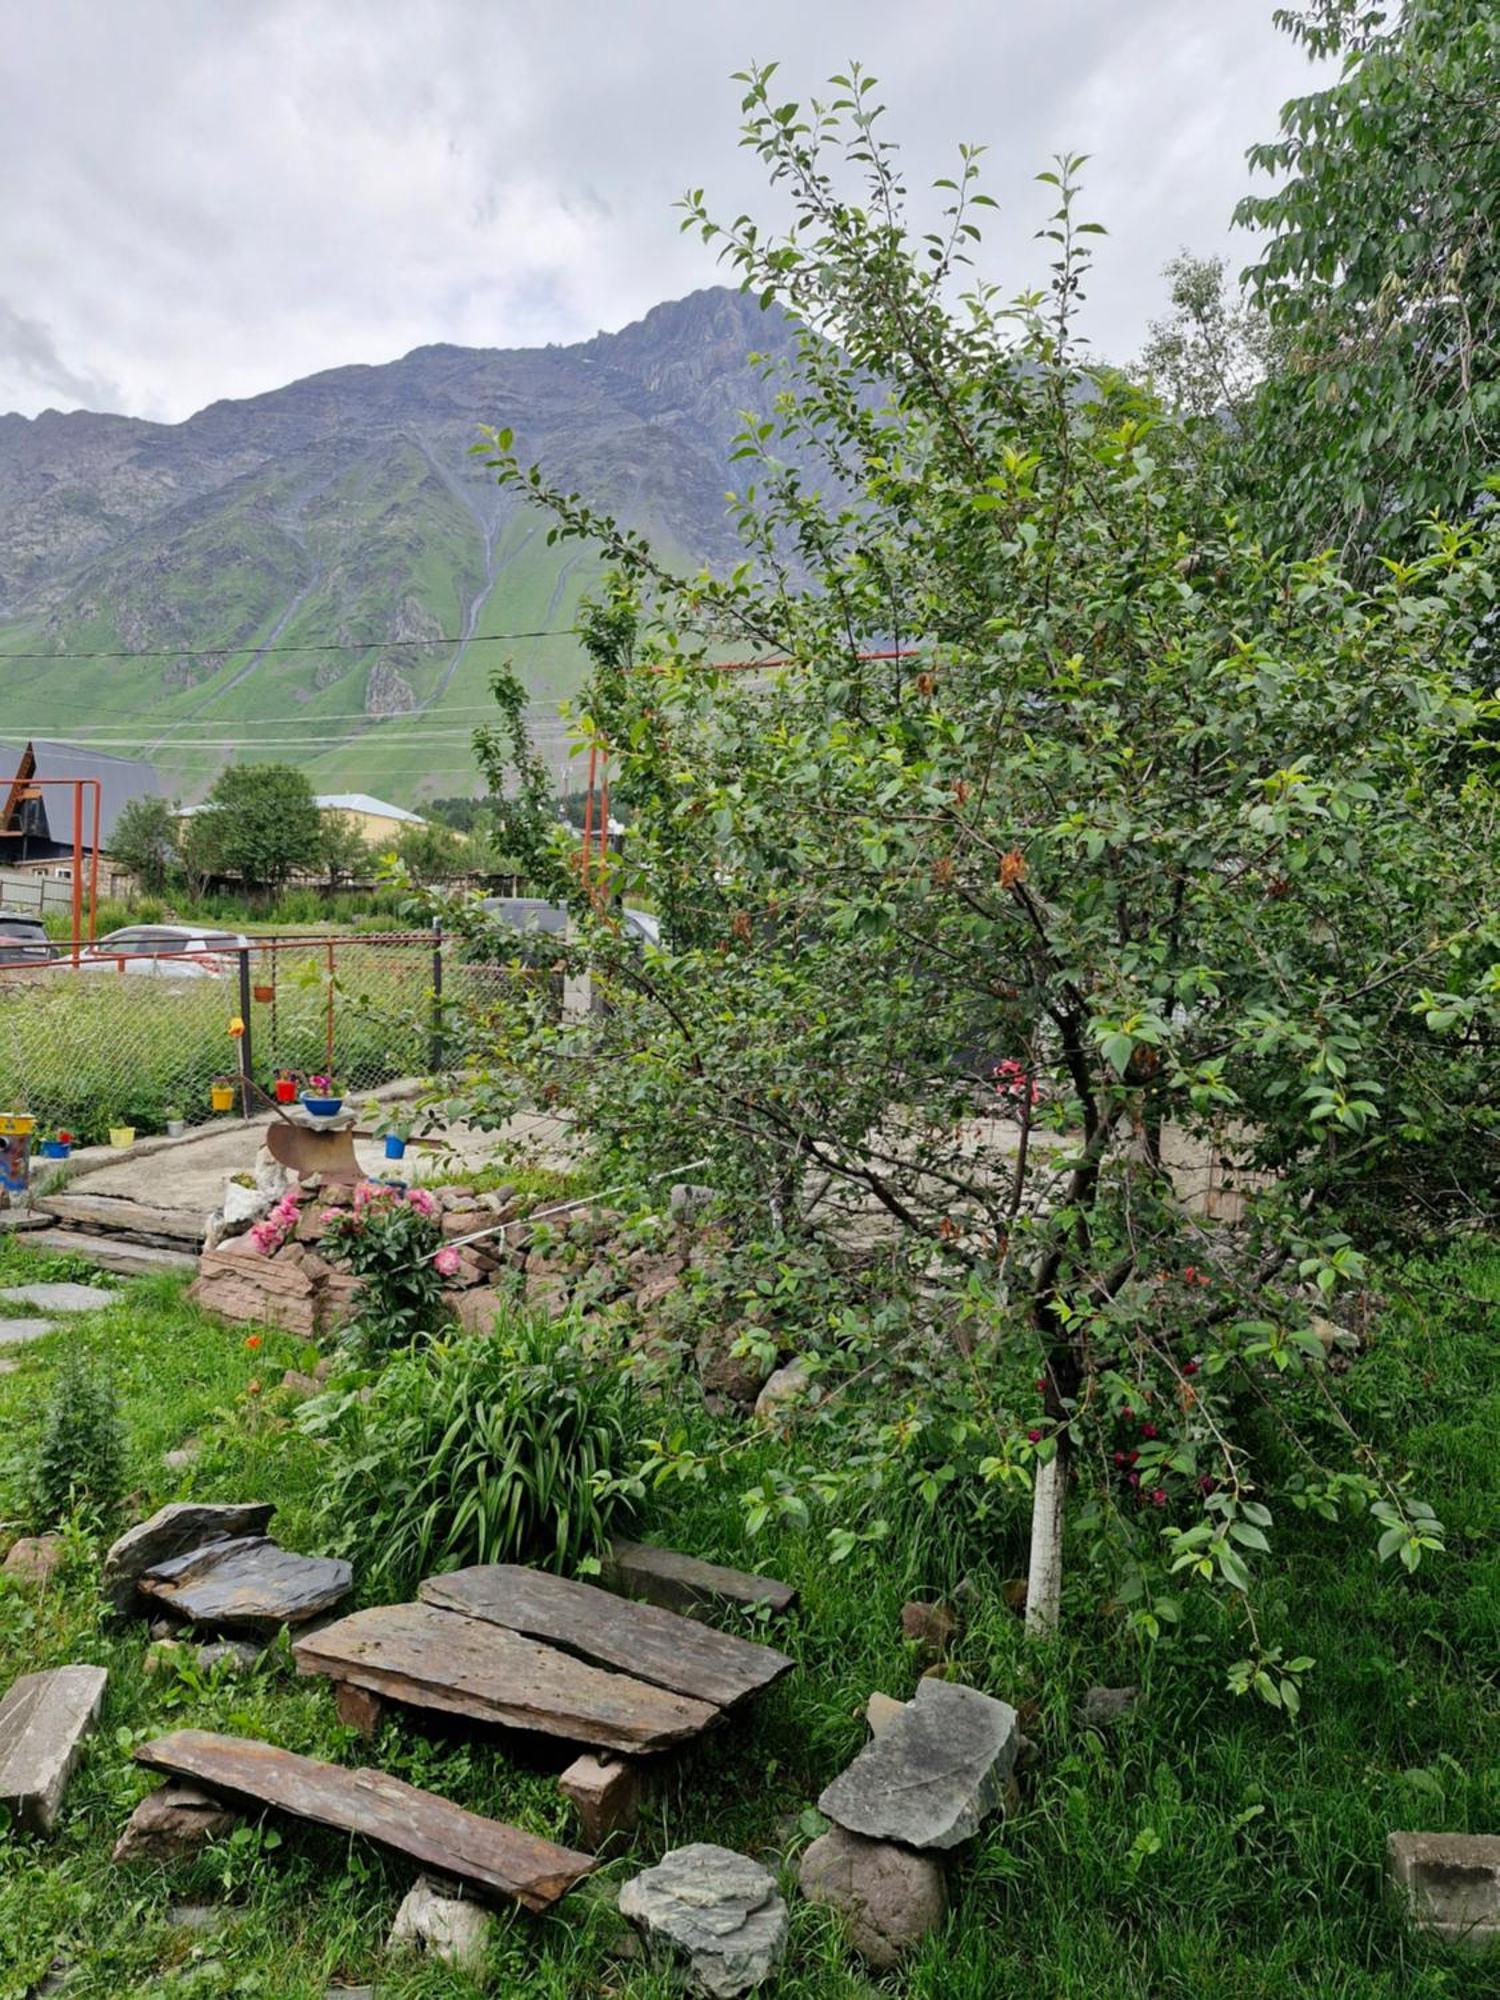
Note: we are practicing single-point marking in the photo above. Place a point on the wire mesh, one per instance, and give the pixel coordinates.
(87, 1047)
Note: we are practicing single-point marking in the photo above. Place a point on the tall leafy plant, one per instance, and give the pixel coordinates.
(1072, 831)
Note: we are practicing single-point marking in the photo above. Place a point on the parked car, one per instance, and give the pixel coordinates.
(23, 940)
(165, 951)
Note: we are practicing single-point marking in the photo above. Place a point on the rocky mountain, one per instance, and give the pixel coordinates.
(258, 573)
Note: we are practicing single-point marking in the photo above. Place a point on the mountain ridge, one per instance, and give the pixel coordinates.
(267, 562)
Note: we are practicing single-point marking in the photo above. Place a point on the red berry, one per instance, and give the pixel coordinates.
(1148, 1430)
(1131, 1457)
(1041, 1383)
(1159, 1496)
(1189, 1367)
(1119, 1458)
(1033, 1437)
(1128, 1415)
(1135, 1479)
(1190, 1274)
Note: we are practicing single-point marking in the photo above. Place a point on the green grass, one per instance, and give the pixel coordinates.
(1205, 1850)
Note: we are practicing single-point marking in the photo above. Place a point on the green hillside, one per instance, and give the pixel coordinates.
(319, 574)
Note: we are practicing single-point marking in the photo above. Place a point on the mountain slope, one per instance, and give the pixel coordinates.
(311, 573)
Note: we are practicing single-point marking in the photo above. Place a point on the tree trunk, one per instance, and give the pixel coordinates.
(1044, 1579)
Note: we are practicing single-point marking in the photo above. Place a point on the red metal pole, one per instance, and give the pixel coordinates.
(78, 784)
(94, 864)
(330, 1006)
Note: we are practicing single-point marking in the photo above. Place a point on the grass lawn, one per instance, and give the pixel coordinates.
(1205, 1849)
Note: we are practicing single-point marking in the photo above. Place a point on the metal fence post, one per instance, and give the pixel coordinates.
(437, 994)
(247, 1054)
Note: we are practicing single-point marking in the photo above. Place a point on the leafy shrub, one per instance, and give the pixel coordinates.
(79, 1457)
(392, 1240)
(476, 1451)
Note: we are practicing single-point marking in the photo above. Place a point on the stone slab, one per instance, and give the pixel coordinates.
(59, 1298)
(718, 1910)
(1449, 1885)
(16, 1332)
(496, 1859)
(933, 1774)
(682, 1583)
(436, 1659)
(247, 1584)
(43, 1721)
(171, 1823)
(637, 1639)
(172, 1531)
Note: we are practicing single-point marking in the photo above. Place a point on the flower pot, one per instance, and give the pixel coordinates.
(221, 1097)
(322, 1107)
(286, 1090)
(54, 1149)
(176, 1127)
(121, 1136)
(264, 994)
(395, 1149)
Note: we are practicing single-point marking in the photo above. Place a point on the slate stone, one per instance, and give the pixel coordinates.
(436, 1921)
(718, 1910)
(889, 1897)
(1102, 1706)
(43, 1721)
(171, 1531)
(933, 1774)
(58, 1298)
(17, 1332)
(171, 1823)
(202, 1919)
(1449, 1885)
(248, 1583)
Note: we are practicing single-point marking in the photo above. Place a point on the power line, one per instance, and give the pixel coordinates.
(313, 646)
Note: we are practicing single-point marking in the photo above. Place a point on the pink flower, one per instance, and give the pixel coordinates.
(330, 1215)
(422, 1202)
(266, 1237)
(447, 1261)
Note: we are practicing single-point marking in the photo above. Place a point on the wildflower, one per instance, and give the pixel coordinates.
(252, 1341)
(1158, 1496)
(422, 1202)
(253, 1388)
(447, 1261)
(1135, 1479)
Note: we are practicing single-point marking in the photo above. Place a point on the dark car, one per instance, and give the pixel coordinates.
(23, 940)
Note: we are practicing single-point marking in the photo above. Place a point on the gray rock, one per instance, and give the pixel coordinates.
(35, 1558)
(689, 1199)
(185, 1455)
(241, 1653)
(16, 1332)
(889, 1897)
(1102, 1706)
(43, 1721)
(56, 1979)
(59, 1298)
(881, 1710)
(435, 1920)
(785, 1389)
(933, 1774)
(717, 1909)
(247, 1584)
(171, 1531)
(1449, 1885)
(175, 1821)
(203, 1919)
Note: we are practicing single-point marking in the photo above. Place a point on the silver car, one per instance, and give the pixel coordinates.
(166, 951)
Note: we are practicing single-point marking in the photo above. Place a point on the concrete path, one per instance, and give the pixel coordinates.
(62, 1298)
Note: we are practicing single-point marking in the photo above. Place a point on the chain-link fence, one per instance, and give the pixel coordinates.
(89, 1042)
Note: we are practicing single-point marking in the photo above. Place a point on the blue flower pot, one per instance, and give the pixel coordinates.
(395, 1149)
(322, 1107)
(54, 1149)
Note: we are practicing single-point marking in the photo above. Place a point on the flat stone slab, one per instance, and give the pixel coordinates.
(463, 1666)
(500, 1860)
(16, 1332)
(934, 1773)
(718, 1910)
(682, 1583)
(638, 1639)
(173, 1822)
(43, 1721)
(248, 1583)
(1449, 1885)
(173, 1531)
(59, 1298)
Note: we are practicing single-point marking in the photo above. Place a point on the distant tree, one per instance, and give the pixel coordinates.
(259, 823)
(463, 815)
(145, 841)
(343, 851)
(1381, 274)
(433, 853)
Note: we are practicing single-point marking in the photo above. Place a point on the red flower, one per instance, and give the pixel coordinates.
(1119, 1458)
(252, 1341)
(1148, 1430)
(1189, 1367)
(1159, 1496)
(1135, 1479)
(1190, 1275)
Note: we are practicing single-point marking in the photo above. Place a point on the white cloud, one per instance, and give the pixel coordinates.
(208, 200)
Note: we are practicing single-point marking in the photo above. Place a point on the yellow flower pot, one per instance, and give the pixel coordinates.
(122, 1136)
(221, 1096)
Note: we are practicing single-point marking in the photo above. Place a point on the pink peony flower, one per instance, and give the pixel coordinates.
(447, 1261)
(422, 1202)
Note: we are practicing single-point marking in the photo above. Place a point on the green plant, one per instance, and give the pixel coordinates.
(392, 1240)
(78, 1460)
(479, 1450)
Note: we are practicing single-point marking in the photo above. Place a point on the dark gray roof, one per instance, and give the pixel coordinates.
(120, 780)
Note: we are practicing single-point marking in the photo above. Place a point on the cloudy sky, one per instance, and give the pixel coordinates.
(207, 198)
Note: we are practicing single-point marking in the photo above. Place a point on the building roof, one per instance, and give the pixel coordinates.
(120, 780)
(361, 802)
